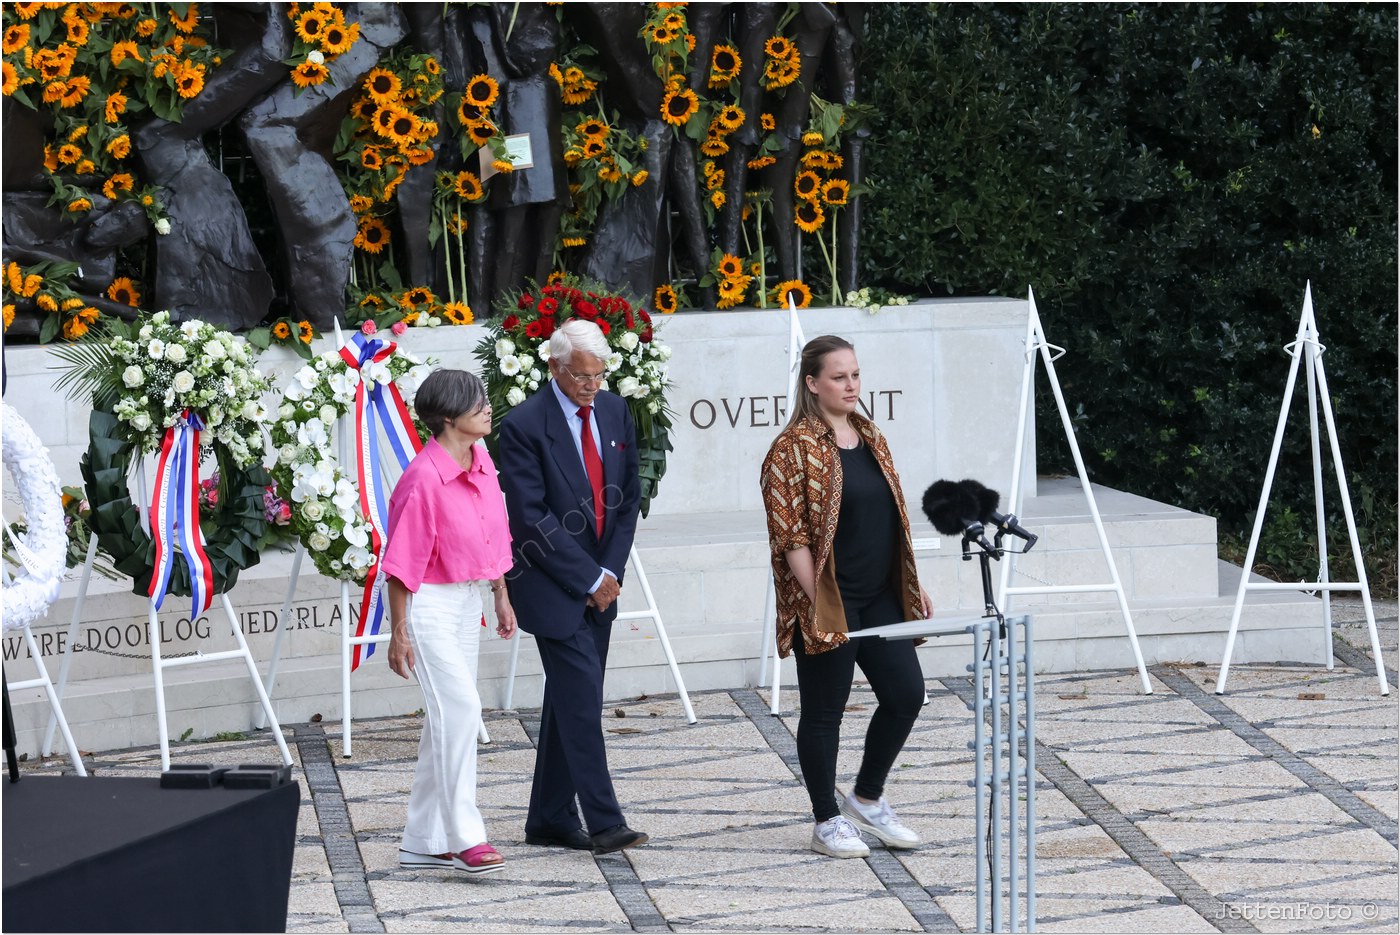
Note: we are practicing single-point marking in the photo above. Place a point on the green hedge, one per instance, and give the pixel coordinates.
(1168, 178)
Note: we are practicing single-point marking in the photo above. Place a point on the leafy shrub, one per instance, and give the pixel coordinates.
(1168, 178)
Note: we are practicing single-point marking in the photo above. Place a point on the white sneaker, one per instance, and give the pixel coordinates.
(837, 837)
(879, 819)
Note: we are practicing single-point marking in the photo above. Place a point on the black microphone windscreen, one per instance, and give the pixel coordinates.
(949, 507)
(987, 498)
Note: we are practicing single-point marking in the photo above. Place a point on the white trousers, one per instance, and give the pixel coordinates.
(444, 629)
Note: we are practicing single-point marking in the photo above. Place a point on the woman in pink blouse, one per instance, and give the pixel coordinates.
(447, 534)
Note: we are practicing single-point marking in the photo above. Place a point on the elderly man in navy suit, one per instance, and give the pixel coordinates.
(568, 459)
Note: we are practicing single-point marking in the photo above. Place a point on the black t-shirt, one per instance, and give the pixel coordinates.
(866, 543)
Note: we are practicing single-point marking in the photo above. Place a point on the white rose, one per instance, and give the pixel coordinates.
(505, 347)
(287, 454)
(145, 333)
(315, 57)
(285, 411)
(132, 376)
(526, 361)
(318, 542)
(327, 414)
(533, 385)
(215, 350)
(536, 376)
(434, 321)
(630, 386)
(510, 365)
(515, 396)
(175, 353)
(629, 341)
(184, 380)
(141, 421)
(653, 407)
(156, 349)
(162, 226)
(320, 365)
(313, 511)
(663, 352)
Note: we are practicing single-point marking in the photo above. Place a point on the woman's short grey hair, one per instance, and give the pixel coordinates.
(578, 334)
(447, 394)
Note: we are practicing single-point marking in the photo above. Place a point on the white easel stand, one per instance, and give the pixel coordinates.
(652, 613)
(1307, 340)
(54, 696)
(159, 665)
(1036, 344)
(56, 715)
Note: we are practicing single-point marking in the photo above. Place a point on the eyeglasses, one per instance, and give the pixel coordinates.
(587, 377)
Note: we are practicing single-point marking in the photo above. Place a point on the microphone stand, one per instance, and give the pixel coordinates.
(974, 534)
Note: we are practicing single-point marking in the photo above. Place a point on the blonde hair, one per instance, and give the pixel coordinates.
(813, 360)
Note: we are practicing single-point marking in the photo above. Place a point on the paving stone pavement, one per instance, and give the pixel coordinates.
(1272, 808)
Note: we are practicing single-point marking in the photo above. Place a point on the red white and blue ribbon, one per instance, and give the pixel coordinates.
(175, 515)
(381, 420)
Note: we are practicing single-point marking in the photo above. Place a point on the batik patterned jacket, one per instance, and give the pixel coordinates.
(801, 482)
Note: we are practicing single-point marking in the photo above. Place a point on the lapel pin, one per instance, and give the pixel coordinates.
(613, 443)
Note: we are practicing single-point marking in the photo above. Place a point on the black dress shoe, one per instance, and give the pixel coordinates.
(577, 839)
(616, 838)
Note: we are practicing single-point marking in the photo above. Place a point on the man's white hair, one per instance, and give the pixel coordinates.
(578, 334)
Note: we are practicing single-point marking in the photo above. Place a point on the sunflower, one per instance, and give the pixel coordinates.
(480, 132)
(403, 127)
(812, 138)
(717, 199)
(146, 27)
(372, 301)
(310, 25)
(665, 299)
(69, 154)
(305, 332)
(503, 166)
(573, 241)
(732, 292)
(281, 331)
(14, 277)
(85, 167)
(679, 105)
(836, 191)
(32, 282)
(594, 148)
(639, 177)
(714, 146)
(54, 91)
(481, 91)
(609, 172)
(467, 186)
(336, 39)
(810, 216)
(420, 155)
(16, 37)
(794, 289)
(115, 107)
(25, 10)
(383, 86)
(9, 315)
(123, 290)
(579, 90)
(371, 159)
(807, 185)
(593, 128)
(186, 23)
(309, 73)
(731, 118)
(74, 328)
(78, 87)
(78, 30)
(660, 35)
(79, 205)
(189, 81)
(431, 65)
(724, 65)
(714, 179)
(46, 302)
(55, 63)
(372, 236)
(417, 296)
(121, 182)
(778, 47)
(767, 122)
(780, 74)
(11, 79)
(359, 204)
(121, 51)
(730, 267)
(458, 313)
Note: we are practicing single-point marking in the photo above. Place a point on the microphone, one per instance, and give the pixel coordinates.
(987, 500)
(953, 509)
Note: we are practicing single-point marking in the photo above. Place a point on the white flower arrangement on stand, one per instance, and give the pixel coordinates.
(41, 551)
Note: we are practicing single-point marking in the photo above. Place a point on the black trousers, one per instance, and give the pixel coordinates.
(824, 687)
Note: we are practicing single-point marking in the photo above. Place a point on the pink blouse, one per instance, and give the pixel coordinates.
(447, 524)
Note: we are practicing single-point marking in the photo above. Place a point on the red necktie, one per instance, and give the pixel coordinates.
(594, 465)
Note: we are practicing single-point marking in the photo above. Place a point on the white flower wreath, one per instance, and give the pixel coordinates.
(325, 500)
(42, 550)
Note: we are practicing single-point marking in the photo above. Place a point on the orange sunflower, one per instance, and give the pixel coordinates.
(186, 23)
(458, 313)
(119, 148)
(121, 182)
(794, 289)
(373, 235)
(679, 105)
(11, 79)
(123, 290)
(309, 73)
(810, 217)
(189, 79)
(724, 65)
(665, 299)
(305, 332)
(383, 85)
(77, 89)
(467, 186)
(836, 192)
(281, 331)
(311, 24)
(481, 91)
(16, 37)
(807, 185)
(115, 107)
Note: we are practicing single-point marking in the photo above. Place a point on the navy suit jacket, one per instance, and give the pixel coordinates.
(554, 542)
